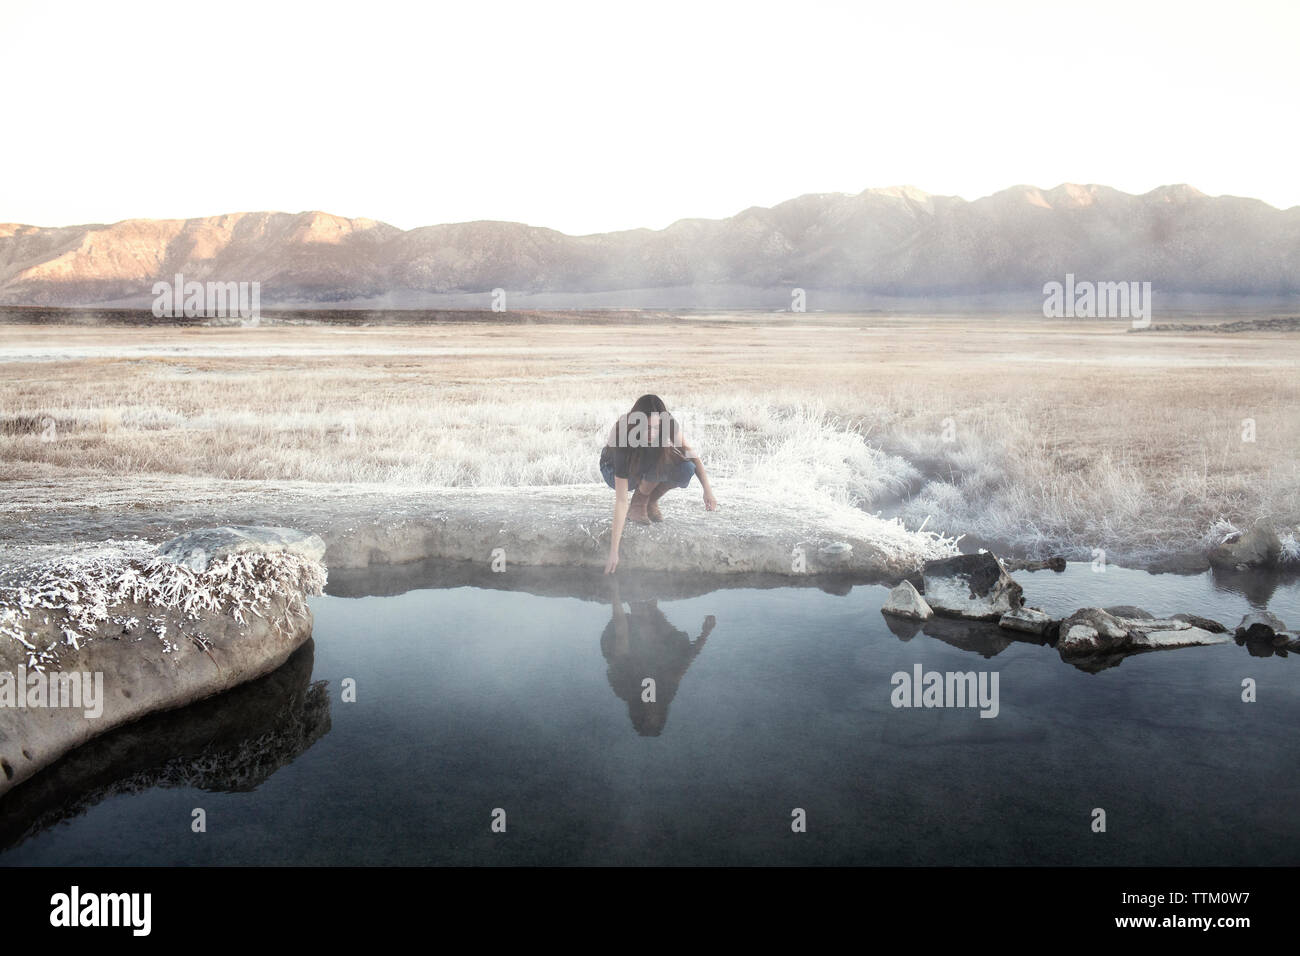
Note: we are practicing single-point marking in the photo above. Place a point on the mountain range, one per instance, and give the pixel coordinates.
(897, 241)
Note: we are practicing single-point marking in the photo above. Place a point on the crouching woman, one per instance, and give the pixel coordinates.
(647, 452)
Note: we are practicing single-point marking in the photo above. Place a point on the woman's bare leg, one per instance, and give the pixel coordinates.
(636, 511)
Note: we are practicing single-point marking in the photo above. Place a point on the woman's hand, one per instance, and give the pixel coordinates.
(621, 504)
(710, 502)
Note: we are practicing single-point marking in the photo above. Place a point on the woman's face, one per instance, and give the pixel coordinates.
(654, 429)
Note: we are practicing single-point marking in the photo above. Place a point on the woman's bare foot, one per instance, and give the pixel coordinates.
(637, 509)
(652, 505)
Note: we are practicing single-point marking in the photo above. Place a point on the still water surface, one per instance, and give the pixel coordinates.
(470, 700)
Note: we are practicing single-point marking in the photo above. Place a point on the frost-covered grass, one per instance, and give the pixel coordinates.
(78, 590)
(1142, 480)
(1044, 438)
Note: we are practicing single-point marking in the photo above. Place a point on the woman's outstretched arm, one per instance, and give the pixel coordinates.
(620, 518)
(710, 502)
(689, 452)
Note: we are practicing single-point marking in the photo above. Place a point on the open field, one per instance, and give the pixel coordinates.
(1042, 437)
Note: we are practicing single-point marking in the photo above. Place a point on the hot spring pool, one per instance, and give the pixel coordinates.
(472, 700)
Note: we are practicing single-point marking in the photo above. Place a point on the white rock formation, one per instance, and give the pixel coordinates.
(974, 586)
(906, 601)
(1029, 620)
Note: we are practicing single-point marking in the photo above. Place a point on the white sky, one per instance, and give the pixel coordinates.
(588, 117)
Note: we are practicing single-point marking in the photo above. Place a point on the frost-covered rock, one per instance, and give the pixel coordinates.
(560, 526)
(1029, 620)
(836, 553)
(198, 549)
(1258, 547)
(973, 586)
(1080, 638)
(1204, 623)
(906, 601)
(1260, 626)
(153, 633)
(1171, 633)
(1092, 630)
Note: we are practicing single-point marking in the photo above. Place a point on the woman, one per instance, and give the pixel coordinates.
(647, 450)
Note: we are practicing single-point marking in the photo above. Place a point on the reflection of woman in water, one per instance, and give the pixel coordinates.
(643, 644)
(646, 451)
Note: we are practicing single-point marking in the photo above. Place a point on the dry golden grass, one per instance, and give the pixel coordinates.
(1042, 435)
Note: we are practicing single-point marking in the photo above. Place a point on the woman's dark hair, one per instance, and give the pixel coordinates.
(645, 453)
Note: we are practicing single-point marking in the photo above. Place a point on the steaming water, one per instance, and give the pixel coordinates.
(470, 700)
